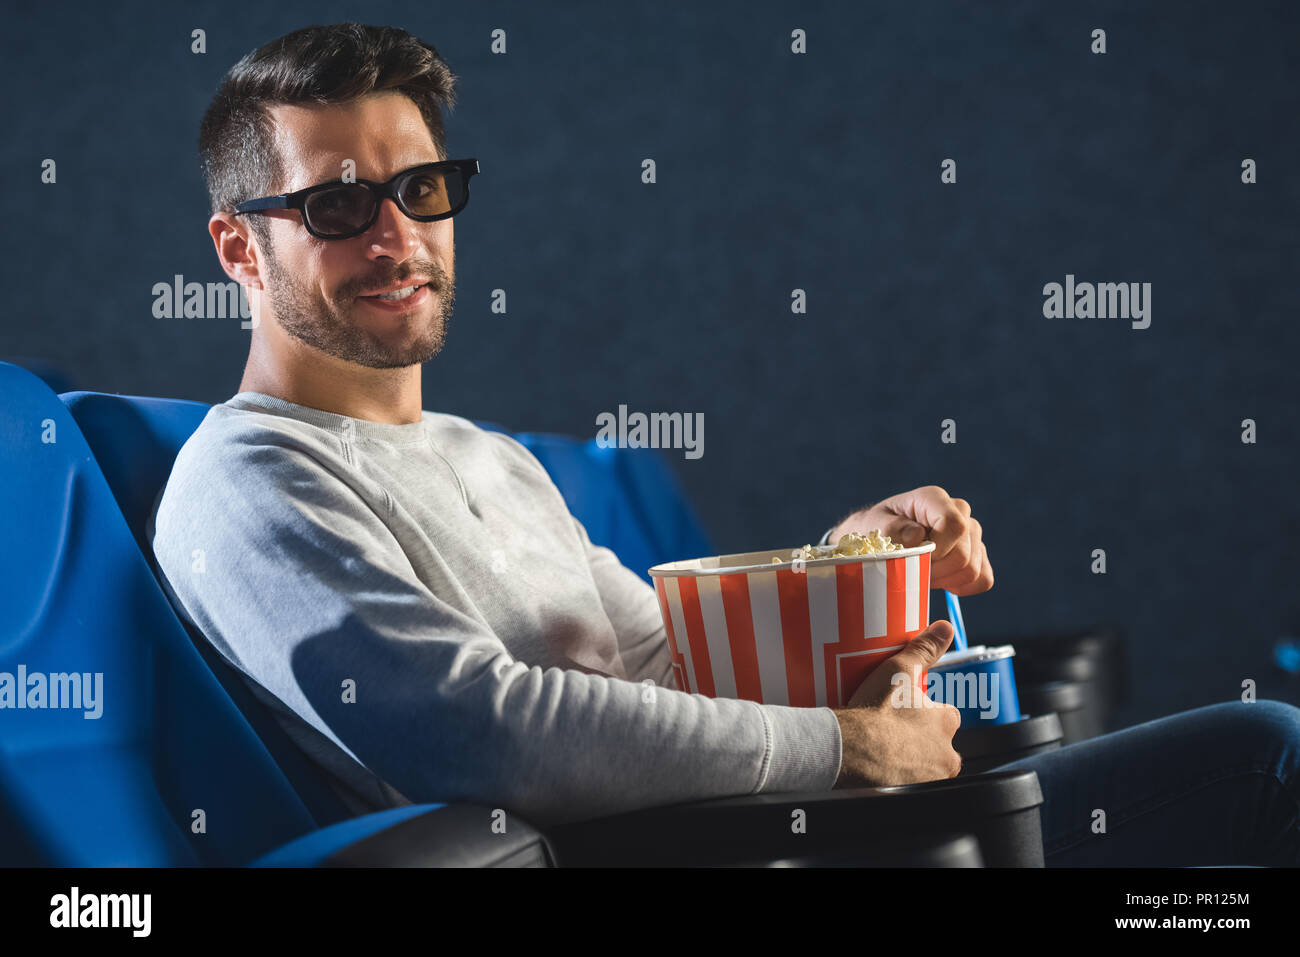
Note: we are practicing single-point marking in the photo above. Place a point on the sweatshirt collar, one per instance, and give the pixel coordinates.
(331, 421)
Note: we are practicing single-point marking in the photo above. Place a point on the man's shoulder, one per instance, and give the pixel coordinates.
(229, 437)
(231, 456)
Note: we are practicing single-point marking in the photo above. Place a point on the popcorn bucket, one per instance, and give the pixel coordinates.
(803, 634)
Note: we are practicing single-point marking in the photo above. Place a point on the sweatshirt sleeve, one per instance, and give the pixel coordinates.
(296, 581)
(633, 609)
(629, 603)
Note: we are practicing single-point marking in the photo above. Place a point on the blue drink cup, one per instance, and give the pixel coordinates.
(979, 682)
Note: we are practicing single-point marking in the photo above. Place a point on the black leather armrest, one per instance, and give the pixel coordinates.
(1001, 808)
(455, 835)
(863, 826)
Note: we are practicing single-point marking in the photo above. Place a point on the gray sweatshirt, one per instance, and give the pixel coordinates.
(430, 623)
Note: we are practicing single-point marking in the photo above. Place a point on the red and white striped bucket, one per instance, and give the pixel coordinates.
(742, 627)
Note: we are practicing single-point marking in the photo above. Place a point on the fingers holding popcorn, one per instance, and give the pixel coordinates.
(960, 561)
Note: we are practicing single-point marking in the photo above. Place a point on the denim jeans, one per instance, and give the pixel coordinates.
(1218, 785)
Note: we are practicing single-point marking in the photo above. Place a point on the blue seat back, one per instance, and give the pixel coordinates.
(169, 773)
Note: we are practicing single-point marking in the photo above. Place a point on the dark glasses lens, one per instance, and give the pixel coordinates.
(341, 210)
(432, 193)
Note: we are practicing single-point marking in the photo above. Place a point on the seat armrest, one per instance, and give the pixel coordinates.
(430, 835)
(1001, 808)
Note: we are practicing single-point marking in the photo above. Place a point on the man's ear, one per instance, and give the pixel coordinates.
(237, 249)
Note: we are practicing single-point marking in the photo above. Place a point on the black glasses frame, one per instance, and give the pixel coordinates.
(381, 191)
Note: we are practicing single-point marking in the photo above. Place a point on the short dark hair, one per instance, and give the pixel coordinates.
(319, 65)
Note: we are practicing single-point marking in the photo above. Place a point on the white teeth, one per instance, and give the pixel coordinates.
(400, 294)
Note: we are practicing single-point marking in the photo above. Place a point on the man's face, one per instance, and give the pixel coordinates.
(321, 291)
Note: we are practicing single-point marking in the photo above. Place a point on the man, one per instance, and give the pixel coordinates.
(335, 542)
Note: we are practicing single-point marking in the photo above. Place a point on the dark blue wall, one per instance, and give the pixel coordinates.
(779, 171)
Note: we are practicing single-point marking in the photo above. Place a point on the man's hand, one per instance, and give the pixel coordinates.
(960, 562)
(888, 744)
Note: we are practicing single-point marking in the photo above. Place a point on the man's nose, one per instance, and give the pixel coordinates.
(394, 234)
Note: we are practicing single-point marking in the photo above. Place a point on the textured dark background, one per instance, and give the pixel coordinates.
(779, 171)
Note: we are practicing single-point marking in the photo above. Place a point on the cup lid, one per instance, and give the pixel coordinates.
(977, 654)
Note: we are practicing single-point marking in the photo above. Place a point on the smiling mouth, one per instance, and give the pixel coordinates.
(397, 295)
